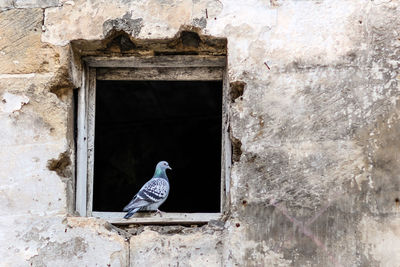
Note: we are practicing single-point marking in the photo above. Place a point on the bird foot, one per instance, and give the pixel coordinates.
(159, 212)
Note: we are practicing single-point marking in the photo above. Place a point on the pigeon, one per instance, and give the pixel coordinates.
(152, 194)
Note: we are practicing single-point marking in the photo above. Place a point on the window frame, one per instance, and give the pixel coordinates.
(173, 68)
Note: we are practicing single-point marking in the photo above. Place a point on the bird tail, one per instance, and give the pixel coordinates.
(131, 212)
(129, 206)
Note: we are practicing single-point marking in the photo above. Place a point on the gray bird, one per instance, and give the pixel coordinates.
(152, 194)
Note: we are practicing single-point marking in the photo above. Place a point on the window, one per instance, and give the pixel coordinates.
(134, 112)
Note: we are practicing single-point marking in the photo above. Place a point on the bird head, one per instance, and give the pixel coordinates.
(163, 165)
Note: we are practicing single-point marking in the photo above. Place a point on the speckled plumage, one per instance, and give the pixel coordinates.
(152, 194)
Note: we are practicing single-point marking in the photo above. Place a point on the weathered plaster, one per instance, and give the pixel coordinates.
(161, 19)
(12, 4)
(382, 238)
(11, 102)
(60, 241)
(193, 249)
(314, 123)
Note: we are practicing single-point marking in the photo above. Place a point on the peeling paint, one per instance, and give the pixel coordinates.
(11, 102)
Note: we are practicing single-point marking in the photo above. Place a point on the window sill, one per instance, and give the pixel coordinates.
(117, 218)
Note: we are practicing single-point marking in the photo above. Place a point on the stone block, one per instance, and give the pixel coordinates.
(36, 3)
(21, 50)
(60, 241)
(150, 248)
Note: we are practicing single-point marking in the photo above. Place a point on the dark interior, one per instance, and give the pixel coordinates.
(139, 123)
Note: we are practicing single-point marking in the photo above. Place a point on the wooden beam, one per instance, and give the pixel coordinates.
(117, 218)
(156, 61)
(226, 155)
(161, 74)
(81, 157)
(91, 114)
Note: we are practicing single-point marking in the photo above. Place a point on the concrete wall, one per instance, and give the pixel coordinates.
(315, 181)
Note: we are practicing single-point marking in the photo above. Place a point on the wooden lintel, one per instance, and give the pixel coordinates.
(156, 61)
(160, 74)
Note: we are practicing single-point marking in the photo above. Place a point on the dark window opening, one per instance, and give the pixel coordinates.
(139, 123)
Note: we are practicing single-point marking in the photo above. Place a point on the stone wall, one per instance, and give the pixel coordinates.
(315, 127)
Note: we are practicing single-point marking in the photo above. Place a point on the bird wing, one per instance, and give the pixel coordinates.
(153, 191)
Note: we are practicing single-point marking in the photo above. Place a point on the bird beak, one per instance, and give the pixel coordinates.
(169, 168)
